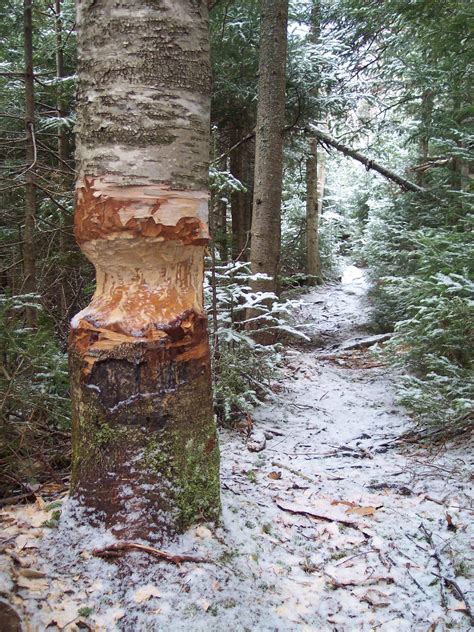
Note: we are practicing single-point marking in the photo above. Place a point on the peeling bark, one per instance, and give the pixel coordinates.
(145, 453)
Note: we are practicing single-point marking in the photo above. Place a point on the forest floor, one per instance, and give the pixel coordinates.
(334, 525)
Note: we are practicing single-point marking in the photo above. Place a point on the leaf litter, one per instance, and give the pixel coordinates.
(338, 528)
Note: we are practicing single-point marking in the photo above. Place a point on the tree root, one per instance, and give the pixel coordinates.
(120, 548)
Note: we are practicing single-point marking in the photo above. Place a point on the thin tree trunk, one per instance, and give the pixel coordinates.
(62, 146)
(266, 219)
(221, 238)
(426, 116)
(242, 164)
(321, 182)
(249, 171)
(61, 105)
(145, 452)
(312, 219)
(237, 201)
(313, 265)
(29, 255)
(460, 167)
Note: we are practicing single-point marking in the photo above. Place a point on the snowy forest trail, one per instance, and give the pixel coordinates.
(331, 526)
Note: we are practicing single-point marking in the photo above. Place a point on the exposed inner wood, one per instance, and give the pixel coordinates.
(104, 209)
(147, 246)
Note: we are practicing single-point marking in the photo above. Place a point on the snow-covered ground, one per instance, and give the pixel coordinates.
(333, 526)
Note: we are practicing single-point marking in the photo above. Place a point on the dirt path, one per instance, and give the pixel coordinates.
(330, 527)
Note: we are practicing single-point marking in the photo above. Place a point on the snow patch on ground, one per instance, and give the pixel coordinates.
(354, 556)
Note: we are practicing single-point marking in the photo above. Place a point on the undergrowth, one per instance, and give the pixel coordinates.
(245, 372)
(34, 398)
(420, 258)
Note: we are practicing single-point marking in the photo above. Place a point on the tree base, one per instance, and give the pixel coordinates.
(145, 450)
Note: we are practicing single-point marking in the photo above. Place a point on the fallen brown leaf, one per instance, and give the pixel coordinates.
(362, 511)
(449, 520)
(145, 593)
(31, 573)
(376, 598)
(274, 475)
(347, 503)
(34, 584)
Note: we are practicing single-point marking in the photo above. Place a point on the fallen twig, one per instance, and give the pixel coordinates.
(460, 595)
(118, 549)
(343, 583)
(295, 472)
(439, 564)
(440, 434)
(364, 343)
(13, 500)
(398, 489)
(416, 582)
(308, 511)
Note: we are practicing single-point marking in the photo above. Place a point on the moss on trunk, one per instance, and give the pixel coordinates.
(151, 460)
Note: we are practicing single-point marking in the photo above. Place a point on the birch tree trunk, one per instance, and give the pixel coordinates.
(28, 247)
(266, 219)
(145, 453)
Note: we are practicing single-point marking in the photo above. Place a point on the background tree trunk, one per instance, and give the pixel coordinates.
(266, 219)
(221, 237)
(29, 259)
(321, 182)
(313, 263)
(60, 74)
(249, 171)
(63, 152)
(427, 103)
(312, 214)
(145, 453)
(242, 165)
(237, 199)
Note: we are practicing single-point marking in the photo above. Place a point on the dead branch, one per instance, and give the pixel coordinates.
(439, 563)
(120, 548)
(13, 500)
(308, 511)
(459, 593)
(405, 184)
(295, 472)
(364, 343)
